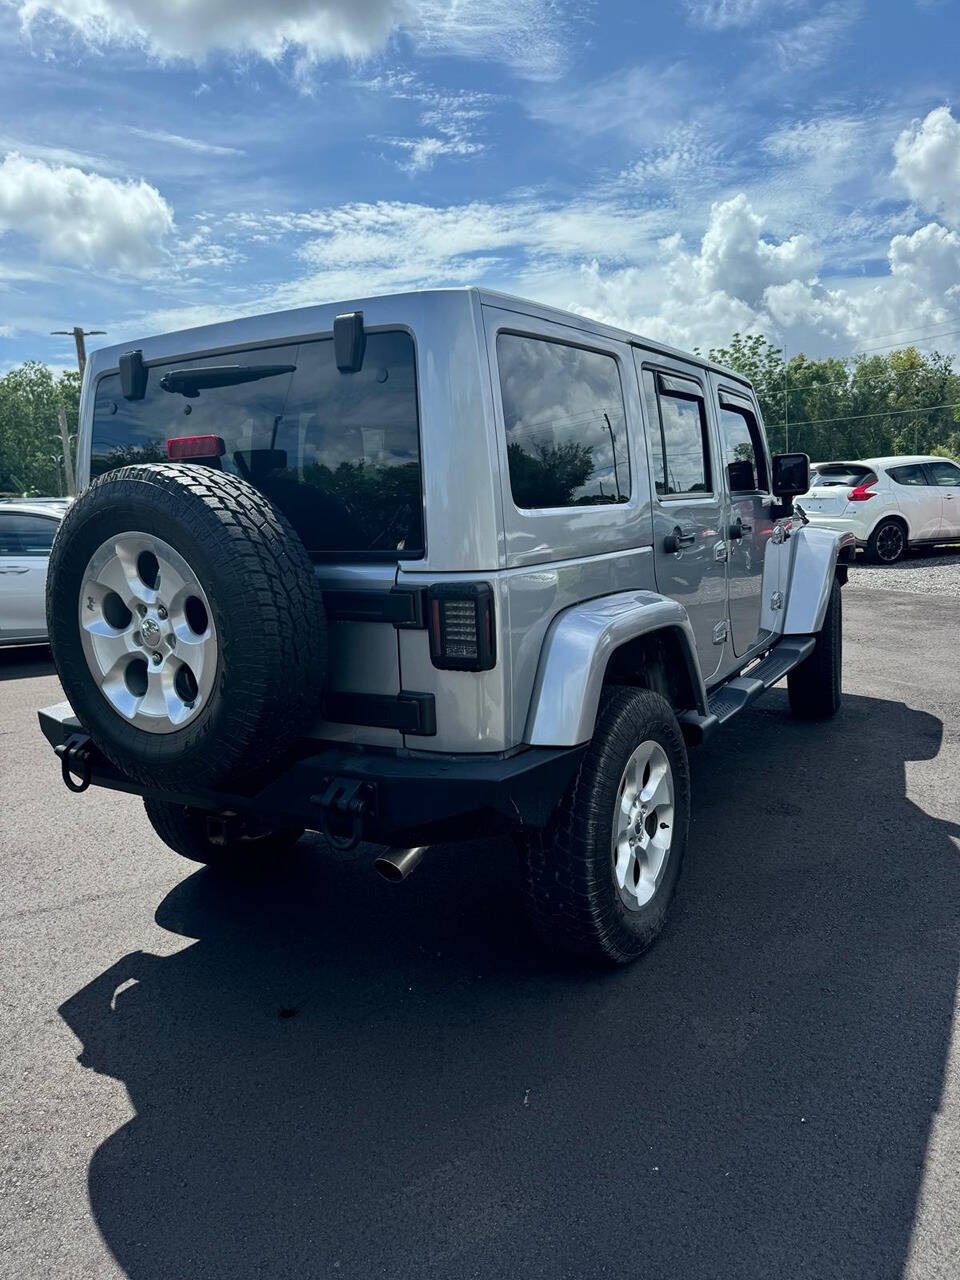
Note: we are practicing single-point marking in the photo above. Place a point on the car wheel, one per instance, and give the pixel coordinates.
(813, 687)
(186, 624)
(598, 881)
(188, 832)
(888, 542)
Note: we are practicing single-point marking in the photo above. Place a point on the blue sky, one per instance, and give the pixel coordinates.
(685, 169)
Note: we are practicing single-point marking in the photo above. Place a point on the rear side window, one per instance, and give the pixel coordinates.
(679, 443)
(338, 453)
(944, 473)
(845, 474)
(565, 423)
(743, 454)
(909, 475)
(23, 535)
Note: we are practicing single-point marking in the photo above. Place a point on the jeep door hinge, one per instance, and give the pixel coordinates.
(720, 632)
(776, 600)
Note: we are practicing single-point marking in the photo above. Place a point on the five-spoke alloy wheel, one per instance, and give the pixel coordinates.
(147, 632)
(643, 825)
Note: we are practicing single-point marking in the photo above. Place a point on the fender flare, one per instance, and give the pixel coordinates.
(813, 564)
(574, 657)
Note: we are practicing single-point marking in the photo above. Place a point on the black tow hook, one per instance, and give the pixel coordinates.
(344, 802)
(75, 760)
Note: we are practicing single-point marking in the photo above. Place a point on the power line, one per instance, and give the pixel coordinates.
(856, 417)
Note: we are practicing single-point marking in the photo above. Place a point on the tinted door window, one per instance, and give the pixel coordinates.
(565, 424)
(944, 473)
(743, 454)
(22, 535)
(339, 454)
(909, 475)
(681, 457)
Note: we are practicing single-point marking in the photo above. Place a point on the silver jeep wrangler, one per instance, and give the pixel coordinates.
(418, 568)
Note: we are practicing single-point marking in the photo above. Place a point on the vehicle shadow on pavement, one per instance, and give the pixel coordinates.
(346, 1078)
(26, 662)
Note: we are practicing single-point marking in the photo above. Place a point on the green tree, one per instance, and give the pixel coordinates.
(31, 449)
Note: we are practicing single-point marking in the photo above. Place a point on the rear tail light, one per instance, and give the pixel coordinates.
(181, 448)
(461, 626)
(862, 492)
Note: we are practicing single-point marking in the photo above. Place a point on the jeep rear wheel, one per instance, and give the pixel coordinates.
(186, 625)
(189, 833)
(600, 878)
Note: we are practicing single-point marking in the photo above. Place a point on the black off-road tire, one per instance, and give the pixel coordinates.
(185, 831)
(568, 873)
(882, 538)
(267, 610)
(814, 686)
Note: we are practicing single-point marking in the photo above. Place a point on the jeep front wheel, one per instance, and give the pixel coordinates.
(599, 879)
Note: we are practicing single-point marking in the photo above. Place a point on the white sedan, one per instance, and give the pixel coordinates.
(887, 503)
(27, 529)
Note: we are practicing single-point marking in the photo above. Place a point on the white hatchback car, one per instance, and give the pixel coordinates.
(27, 530)
(887, 503)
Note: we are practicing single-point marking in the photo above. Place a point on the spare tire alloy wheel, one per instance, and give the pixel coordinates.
(187, 626)
(147, 632)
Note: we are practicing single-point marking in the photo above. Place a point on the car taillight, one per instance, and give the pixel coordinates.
(862, 492)
(182, 447)
(461, 626)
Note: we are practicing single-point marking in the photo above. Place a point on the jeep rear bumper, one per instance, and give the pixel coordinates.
(380, 796)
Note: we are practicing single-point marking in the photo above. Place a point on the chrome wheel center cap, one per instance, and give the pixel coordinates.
(150, 631)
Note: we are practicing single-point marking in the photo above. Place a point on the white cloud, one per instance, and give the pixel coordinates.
(928, 163)
(452, 120)
(83, 218)
(737, 260)
(521, 33)
(814, 40)
(719, 15)
(929, 259)
(196, 145)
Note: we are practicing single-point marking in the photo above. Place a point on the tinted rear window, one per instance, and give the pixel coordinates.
(909, 475)
(338, 453)
(844, 473)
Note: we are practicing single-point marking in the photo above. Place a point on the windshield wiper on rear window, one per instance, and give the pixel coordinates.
(190, 382)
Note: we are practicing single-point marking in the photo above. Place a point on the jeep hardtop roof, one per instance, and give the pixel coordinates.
(301, 321)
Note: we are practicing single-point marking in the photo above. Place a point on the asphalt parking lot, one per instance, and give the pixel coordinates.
(315, 1074)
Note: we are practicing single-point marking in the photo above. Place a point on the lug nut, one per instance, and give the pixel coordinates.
(157, 659)
(161, 612)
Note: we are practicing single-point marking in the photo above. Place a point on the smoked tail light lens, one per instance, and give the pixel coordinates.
(462, 633)
(861, 493)
(185, 448)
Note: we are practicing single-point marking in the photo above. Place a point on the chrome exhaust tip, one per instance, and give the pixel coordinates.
(396, 864)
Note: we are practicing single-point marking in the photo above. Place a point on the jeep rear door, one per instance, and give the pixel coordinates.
(688, 501)
(746, 476)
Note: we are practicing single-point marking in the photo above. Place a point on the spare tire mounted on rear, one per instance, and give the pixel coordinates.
(186, 624)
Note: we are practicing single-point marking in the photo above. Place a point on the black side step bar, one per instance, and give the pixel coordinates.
(730, 698)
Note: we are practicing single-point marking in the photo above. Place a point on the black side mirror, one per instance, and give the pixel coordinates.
(791, 474)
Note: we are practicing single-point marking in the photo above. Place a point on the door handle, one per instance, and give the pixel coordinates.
(3, 569)
(673, 542)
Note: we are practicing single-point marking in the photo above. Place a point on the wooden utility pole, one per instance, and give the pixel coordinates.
(78, 333)
(67, 455)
